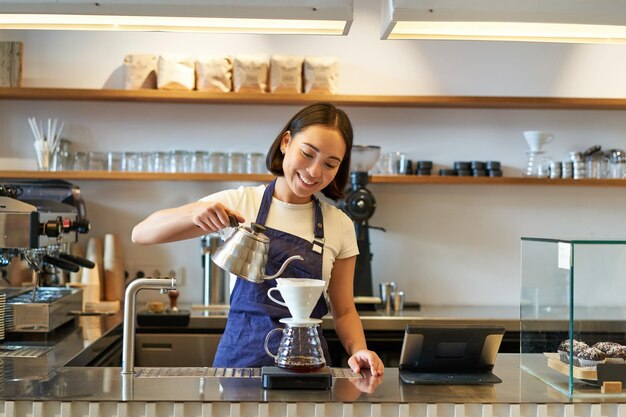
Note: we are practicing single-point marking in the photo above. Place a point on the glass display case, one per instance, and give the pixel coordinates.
(573, 314)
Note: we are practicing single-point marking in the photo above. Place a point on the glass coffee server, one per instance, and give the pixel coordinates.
(573, 315)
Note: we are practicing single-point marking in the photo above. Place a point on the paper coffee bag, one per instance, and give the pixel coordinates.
(250, 73)
(286, 74)
(140, 71)
(176, 73)
(321, 75)
(214, 74)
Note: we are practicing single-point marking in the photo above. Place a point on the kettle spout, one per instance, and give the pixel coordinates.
(282, 268)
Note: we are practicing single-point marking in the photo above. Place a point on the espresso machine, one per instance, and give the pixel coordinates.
(38, 222)
(359, 204)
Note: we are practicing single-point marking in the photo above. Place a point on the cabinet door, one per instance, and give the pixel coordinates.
(175, 350)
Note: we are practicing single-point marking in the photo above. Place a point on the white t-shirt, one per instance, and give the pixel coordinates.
(296, 219)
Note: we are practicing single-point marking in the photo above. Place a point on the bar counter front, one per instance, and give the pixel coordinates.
(47, 386)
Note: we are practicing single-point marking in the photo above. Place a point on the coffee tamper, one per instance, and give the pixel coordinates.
(173, 295)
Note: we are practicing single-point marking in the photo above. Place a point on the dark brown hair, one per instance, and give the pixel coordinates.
(323, 114)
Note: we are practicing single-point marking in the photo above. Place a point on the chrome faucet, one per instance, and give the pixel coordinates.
(128, 337)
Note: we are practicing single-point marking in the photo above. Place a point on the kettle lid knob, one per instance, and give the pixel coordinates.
(257, 228)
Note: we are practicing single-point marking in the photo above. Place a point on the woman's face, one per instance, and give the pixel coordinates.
(312, 158)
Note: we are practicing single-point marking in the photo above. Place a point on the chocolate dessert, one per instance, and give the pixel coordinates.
(611, 349)
(591, 357)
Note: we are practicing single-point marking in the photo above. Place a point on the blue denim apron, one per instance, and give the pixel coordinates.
(252, 314)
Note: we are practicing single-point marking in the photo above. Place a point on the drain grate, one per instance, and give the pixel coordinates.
(198, 372)
(23, 351)
(223, 372)
(344, 373)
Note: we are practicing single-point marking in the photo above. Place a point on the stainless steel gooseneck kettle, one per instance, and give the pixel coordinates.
(245, 253)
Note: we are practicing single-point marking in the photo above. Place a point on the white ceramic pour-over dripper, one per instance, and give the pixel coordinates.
(536, 139)
(300, 295)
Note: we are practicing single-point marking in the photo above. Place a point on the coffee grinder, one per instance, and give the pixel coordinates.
(359, 204)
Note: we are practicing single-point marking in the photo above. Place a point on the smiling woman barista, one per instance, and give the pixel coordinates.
(311, 154)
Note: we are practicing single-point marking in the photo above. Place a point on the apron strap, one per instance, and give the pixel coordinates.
(266, 202)
(318, 228)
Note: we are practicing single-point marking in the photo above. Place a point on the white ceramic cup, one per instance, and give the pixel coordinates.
(536, 139)
(300, 295)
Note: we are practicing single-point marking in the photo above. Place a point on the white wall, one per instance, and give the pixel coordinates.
(444, 244)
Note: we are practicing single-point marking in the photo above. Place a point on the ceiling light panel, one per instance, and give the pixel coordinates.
(329, 17)
(580, 21)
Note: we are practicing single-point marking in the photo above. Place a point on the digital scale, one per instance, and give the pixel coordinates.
(274, 377)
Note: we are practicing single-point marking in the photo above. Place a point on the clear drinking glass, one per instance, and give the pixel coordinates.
(158, 162)
(217, 162)
(143, 162)
(179, 161)
(79, 161)
(392, 162)
(617, 159)
(61, 161)
(96, 161)
(255, 163)
(199, 161)
(114, 161)
(130, 161)
(236, 163)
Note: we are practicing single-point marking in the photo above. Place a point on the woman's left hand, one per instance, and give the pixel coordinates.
(366, 359)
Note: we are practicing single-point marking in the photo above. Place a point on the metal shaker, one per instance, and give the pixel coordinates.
(386, 288)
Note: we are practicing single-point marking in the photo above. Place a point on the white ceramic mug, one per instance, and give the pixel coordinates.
(300, 295)
(536, 139)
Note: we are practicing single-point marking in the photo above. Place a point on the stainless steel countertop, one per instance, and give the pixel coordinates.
(107, 384)
(46, 377)
(508, 317)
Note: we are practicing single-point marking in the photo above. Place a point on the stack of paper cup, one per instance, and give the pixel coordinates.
(91, 278)
(113, 268)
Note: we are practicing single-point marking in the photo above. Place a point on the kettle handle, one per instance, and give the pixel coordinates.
(233, 221)
(267, 339)
(282, 268)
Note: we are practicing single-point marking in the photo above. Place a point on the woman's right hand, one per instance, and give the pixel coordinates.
(213, 216)
(185, 222)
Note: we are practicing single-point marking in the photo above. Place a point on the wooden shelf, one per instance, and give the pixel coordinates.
(163, 96)
(125, 176)
(375, 179)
